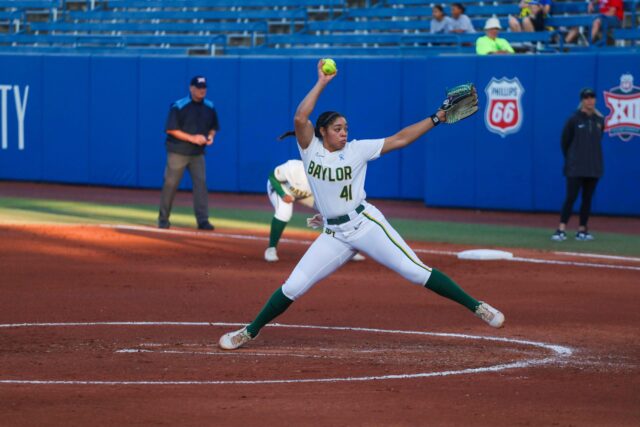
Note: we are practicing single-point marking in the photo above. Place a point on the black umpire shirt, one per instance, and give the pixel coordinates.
(196, 118)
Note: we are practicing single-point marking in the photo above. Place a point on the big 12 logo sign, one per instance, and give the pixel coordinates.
(504, 109)
(623, 101)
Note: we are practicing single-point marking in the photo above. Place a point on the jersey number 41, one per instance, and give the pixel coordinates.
(346, 193)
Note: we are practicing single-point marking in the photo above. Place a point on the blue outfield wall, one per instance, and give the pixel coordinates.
(100, 120)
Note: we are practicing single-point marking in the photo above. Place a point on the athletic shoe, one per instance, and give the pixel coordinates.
(164, 224)
(559, 236)
(234, 340)
(271, 255)
(490, 315)
(206, 226)
(583, 236)
(358, 257)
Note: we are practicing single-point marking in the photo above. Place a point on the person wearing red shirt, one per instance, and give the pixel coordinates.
(611, 14)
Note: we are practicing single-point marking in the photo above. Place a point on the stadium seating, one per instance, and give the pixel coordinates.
(632, 34)
(11, 21)
(272, 27)
(29, 8)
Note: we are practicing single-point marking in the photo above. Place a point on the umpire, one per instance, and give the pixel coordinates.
(583, 166)
(191, 126)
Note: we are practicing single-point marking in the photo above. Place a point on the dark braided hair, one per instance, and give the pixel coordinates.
(287, 134)
(325, 119)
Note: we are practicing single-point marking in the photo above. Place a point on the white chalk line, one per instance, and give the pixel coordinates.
(428, 251)
(158, 348)
(589, 255)
(495, 368)
(226, 353)
(574, 263)
(558, 352)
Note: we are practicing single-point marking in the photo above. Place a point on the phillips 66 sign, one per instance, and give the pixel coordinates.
(503, 114)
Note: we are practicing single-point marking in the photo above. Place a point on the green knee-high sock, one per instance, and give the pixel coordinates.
(276, 305)
(442, 285)
(277, 227)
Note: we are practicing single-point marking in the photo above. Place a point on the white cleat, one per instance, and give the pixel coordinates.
(235, 339)
(490, 315)
(271, 255)
(358, 257)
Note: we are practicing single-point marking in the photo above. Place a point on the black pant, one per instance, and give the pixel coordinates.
(574, 184)
(176, 164)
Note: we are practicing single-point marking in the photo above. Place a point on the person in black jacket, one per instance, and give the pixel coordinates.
(583, 166)
(191, 126)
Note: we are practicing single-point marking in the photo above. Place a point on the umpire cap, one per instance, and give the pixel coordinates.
(199, 81)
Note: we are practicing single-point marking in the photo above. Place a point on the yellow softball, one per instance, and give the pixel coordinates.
(329, 66)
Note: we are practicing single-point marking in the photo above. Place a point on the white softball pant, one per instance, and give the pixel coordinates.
(369, 233)
(284, 210)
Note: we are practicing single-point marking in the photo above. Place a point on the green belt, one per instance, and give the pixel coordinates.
(344, 218)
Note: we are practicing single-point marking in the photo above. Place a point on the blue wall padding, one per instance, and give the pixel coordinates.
(65, 123)
(113, 121)
(450, 151)
(100, 120)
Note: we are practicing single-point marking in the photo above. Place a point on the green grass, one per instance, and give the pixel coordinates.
(22, 210)
(514, 237)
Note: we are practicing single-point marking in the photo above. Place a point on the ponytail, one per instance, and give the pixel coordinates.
(286, 135)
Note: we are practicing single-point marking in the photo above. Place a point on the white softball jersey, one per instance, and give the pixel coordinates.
(294, 182)
(291, 175)
(337, 180)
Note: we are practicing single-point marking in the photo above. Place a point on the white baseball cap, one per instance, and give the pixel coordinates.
(492, 22)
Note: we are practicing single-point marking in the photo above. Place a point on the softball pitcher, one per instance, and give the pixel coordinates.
(287, 184)
(336, 171)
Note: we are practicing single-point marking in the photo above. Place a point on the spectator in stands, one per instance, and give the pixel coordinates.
(191, 125)
(611, 15)
(460, 23)
(583, 164)
(532, 16)
(440, 23)
(490, 43)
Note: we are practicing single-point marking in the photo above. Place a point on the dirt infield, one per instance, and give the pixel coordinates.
(567, 356)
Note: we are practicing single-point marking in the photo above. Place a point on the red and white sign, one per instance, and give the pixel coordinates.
(504, 110)
(623, 101)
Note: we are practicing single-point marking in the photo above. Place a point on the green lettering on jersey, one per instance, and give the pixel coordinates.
(328, 174)
(317, 171)
(346, 193)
